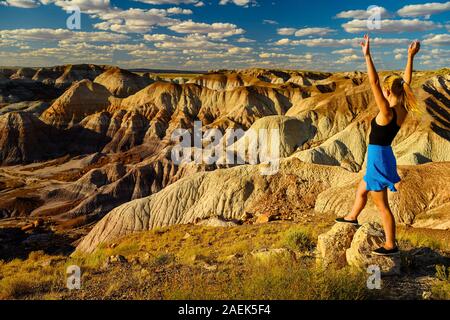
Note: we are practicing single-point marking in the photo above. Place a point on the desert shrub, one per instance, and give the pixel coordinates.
(299, 239)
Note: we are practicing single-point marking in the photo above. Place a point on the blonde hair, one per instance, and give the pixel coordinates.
(402, 90)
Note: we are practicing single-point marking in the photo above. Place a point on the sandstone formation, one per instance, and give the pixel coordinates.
(24, 138)
(280, 135)
(80, 100)
(122, 83)
(73, 73)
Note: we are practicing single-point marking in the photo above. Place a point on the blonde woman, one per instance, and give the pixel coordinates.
(394, 100)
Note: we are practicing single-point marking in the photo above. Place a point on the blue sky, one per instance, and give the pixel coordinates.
(216, 34)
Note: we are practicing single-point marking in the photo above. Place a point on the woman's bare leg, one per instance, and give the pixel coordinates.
(360, 201)
(381, 201)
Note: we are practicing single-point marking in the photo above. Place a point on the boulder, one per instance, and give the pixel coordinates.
(370, 236)
(332, 245)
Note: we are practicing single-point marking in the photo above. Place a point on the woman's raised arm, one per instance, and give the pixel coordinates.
(413, 49)
(374, 80)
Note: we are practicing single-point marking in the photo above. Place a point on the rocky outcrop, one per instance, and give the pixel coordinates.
(347, 244)
(332, 245)
(369, 237)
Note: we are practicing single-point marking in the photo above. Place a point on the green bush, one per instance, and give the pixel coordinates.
(301, 239)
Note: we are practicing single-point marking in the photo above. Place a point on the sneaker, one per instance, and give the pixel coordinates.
(385, 252)
(342, 220)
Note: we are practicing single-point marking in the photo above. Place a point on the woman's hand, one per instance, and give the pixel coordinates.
(414, 48)
(365, 45)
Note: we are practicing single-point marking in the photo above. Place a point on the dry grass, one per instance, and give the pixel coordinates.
(273, 279)
(35, 275)
(197, 262)
(441, 287)
(434, 239)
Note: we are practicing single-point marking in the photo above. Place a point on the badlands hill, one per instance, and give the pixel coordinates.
(122, 83)
(100, 151)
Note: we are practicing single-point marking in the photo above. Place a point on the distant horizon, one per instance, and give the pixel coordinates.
(223, 34)
(181, 71)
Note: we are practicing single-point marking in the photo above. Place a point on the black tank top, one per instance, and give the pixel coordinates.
(384, 135)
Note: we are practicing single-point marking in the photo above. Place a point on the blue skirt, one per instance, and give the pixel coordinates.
(381, 172)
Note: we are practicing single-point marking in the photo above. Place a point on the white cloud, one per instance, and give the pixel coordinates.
(241, 3)
(363, 14)
(273, 22)
(132, 20)
(238, 50)
(137, 20)
(304, 32)
(438, 39)
(403, 25)
(329, 42)
(426, 9)
(283, 42)
(271, 55)
(191, 41)
(26, 4)
(313, 31)
(403, 50)
(176, 2)
(214, 30)
(86, 6)
(286, 31)
(245, 40)
(344, 51)
(44, 34)
(349, 58)
(177, 10)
